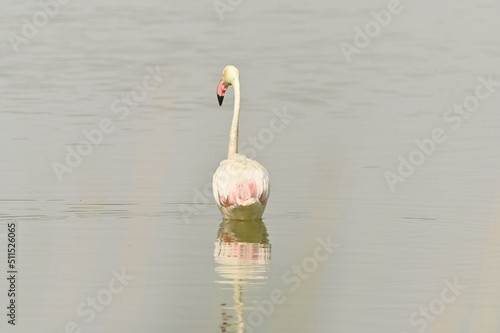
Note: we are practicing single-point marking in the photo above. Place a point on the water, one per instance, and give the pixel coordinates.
(327, 130)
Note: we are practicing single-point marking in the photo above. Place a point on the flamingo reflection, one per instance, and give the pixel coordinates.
(242, 254)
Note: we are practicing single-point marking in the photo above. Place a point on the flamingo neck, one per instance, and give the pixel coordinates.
(233, 135)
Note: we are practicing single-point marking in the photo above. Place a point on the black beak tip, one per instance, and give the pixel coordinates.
(220, 98)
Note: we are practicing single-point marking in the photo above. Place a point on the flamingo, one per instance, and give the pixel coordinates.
(240, 184)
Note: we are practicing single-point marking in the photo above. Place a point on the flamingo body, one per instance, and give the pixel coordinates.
(240, 184)
(241, 188)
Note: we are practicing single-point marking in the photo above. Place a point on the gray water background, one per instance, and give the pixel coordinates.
(129, 203)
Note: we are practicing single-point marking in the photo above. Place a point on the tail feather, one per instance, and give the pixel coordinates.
(241, 195)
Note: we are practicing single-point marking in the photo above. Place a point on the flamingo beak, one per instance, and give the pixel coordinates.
(221, 90)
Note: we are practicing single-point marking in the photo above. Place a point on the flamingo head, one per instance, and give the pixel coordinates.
(230, 74)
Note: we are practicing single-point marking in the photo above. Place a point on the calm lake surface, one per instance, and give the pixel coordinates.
(384, 214)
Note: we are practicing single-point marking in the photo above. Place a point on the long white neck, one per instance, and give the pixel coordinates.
(233, 135)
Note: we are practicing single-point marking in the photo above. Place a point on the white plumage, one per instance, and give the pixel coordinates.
(240, 184)
(241, 188)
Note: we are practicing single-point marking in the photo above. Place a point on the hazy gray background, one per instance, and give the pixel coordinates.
(124, 205)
